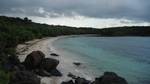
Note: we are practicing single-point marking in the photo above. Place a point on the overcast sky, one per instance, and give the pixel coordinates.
(89, 13)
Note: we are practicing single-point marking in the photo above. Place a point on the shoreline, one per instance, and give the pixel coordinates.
(66, 61)
(46, 46)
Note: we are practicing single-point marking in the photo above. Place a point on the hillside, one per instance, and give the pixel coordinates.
(17, 30)
(126, 31)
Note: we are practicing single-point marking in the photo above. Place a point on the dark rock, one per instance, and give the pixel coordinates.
(42, 73)
(18, 67)
(77, 63)
(77, 80)
(71, 75)
(33, 60)
(68, 82)
(107, 78)
(49, 64)
(110, 78)
(54, 54)
(21, 67)
(55, 72)
(24, 77)
(81, 81)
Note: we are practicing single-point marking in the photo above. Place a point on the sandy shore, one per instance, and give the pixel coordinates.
(46, 46)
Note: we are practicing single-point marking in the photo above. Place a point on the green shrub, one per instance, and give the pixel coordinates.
(4, 76)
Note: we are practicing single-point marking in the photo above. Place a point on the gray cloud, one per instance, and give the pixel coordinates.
(130, 9)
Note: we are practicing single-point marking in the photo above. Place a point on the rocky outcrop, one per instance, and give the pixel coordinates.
(40, 65)
(81, 81)
(49, 64)
(76, 80)
(19, 74)
(36, 64)
(24, 77)
(110, 78)
(107, 78)
(33, 60)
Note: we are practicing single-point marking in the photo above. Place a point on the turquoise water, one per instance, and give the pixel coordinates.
(129, 57)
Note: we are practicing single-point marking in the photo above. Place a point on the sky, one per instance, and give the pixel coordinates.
(80, 13)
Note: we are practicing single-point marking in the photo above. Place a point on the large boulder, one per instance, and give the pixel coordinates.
(110, 78)
(24, 77)
(34, 59)
(49, 64)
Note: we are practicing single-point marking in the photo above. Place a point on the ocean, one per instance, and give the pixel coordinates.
(129, 57)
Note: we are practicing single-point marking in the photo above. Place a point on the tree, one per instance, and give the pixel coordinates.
(27, 20)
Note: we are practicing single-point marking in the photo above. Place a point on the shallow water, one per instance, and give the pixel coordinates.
(129, 57)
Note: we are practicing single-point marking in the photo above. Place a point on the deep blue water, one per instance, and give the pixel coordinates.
(129, 57)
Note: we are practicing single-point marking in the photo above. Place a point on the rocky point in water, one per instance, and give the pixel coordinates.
(23, 74)
(107, 78)
(110, 78)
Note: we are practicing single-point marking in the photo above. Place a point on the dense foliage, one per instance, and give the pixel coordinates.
(126, 31)
(16, 30)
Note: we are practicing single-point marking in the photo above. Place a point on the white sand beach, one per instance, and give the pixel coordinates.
(45, 45)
